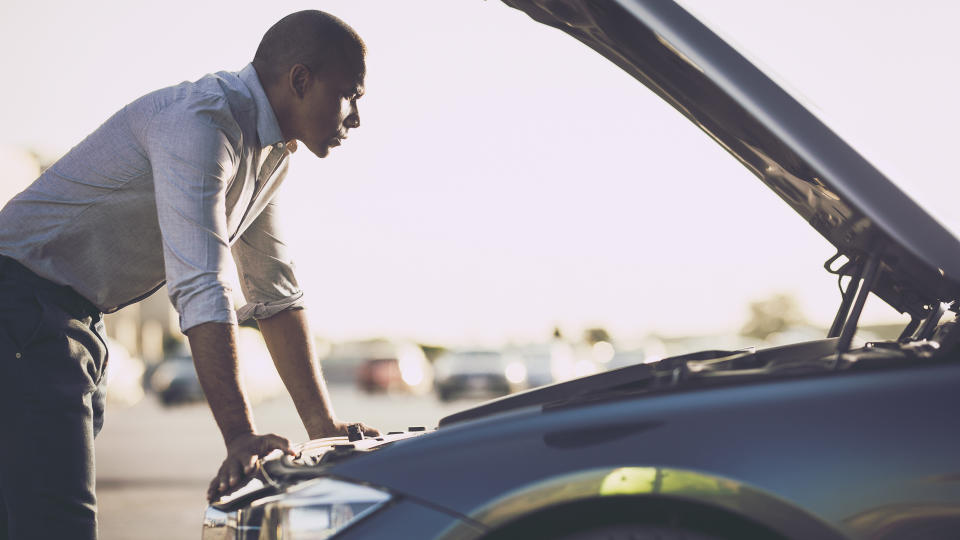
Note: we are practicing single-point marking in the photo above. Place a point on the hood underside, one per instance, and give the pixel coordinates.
(836, 190)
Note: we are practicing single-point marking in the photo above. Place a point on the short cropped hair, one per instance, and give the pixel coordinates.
(313, 38)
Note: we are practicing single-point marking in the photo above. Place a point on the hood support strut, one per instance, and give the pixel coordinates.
(848, 295)
(851, 316)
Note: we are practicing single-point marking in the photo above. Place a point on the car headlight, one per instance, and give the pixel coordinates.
(316, 510)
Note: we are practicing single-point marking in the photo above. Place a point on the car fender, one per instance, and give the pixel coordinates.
(651, 482)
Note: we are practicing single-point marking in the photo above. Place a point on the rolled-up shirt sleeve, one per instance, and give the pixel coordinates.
(193, 155)
(265, 269)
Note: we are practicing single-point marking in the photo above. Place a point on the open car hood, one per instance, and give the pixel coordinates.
(845, 198)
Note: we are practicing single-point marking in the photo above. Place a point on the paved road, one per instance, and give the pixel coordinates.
(154, 463)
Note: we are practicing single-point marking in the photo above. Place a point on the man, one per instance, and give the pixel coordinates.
(165, 191)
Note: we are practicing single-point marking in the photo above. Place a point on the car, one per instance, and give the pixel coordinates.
(626, 358)
(539, 366)
(478, 373)
(818, 439)
(395, 367)
(174, 380)
(379, 375)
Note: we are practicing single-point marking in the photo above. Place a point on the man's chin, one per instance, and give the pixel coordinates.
(320, 151)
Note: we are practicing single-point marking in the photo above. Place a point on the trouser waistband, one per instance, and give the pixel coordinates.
(64, 295)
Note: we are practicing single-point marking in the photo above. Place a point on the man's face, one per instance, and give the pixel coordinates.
(328, 110)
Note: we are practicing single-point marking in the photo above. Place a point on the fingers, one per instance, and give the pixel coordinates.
(242, 459)
(234, 473)
(249, 465)
(223, 477)
(343, 428)
(231, 474)
(213, 492)
(272, 441)
(220, 482)
(369, 431)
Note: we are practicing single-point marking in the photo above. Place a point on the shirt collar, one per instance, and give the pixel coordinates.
(268, 129)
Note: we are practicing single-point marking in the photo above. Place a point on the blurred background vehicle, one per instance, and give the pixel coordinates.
(626, 358)
(478, 373)
(174, 380)
(379, 375)
(395, 367)
(538, 364)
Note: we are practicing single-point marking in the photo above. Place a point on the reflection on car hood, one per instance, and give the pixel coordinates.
(834, 188)
(667, 374)
(708, 369)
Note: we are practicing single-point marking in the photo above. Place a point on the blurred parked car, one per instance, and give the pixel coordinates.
(819, 439)
(174, 380)
(341, 360)
(539, 367)
(625, 358)
(400, 367)
(379, 375)
(478, 373)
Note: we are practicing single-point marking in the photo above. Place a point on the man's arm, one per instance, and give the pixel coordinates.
(191, 147)
(288, 338)
(270, 286)
(214, 350)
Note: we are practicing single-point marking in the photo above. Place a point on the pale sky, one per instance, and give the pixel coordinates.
(505, 178)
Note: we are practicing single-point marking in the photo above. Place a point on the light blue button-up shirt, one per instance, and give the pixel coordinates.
(166, 190)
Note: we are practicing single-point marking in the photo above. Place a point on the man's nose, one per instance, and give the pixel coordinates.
(353, 119)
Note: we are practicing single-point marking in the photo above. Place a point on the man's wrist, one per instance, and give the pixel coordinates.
(233, 436)
(321, 427)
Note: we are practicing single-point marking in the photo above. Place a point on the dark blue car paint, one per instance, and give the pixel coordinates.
(839, 447)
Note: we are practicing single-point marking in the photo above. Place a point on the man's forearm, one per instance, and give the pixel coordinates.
(214, 349)
(288, 338)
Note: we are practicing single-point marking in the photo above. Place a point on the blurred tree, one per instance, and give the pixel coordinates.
(596, 335)
(432, 351)
(774, 314)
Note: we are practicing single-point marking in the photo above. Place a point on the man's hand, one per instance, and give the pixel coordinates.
(242, 454)
(289, 341)
(339, 429)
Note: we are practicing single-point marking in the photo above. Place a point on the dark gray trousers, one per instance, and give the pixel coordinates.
(52, 361)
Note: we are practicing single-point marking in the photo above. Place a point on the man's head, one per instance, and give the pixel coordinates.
(312, 66)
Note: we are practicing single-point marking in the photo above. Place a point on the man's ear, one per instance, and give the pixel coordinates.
(299, 79)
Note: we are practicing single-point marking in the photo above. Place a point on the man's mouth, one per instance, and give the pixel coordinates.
(338, 139)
